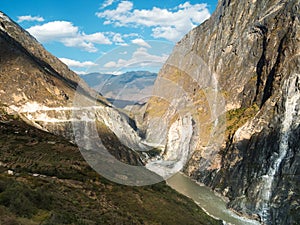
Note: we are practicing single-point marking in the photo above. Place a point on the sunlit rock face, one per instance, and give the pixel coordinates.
(239, 69)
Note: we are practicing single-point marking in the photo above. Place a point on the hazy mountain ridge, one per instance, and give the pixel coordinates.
(124, 89)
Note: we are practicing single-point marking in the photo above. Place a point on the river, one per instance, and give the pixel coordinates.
(214, 205)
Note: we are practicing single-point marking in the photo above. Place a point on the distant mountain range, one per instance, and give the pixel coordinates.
(129, 88)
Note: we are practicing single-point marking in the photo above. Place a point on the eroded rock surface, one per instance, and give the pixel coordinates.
(239, 69)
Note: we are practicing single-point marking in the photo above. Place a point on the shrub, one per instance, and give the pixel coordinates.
(22, 200)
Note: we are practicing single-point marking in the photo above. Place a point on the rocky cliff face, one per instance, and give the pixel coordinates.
(46, 94)
(237, 75)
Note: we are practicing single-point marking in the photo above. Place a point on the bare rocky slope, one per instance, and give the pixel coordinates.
(42, 90)
(236, 78)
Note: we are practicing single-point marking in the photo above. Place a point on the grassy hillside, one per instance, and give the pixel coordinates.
(52, 184)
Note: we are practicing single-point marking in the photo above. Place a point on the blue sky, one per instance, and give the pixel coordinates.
(110, 36)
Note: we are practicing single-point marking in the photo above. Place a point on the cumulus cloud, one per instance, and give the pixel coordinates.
(68, 34)
(77, 64)
(140, 42)
(30, 18)
(170, 24)
(53, 31)
(141, 57)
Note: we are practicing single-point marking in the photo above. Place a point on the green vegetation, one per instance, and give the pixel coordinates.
(237, 117)
(52, 184)
(21, 199)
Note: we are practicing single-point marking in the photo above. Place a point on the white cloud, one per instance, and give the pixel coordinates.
(141, 42)
(124, 7)
(68, 34)
(131, 35)
(169, 33)
(30, 18)
(114, 72)
(177, 21)
(141, 57)
(85, 41)
(111, 64)
(118, 39)
(98, 38)
(107, 3)
(80, 72)
(77, 64)
(53, 31)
